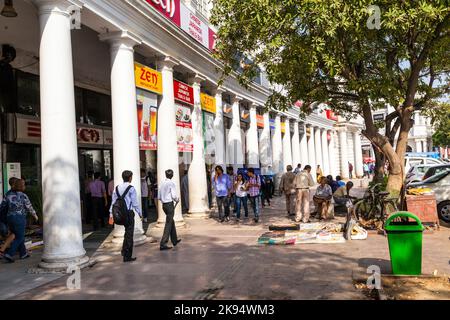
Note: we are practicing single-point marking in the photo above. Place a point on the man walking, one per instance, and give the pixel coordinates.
(254, 187)
(287, 187)
(222, 187)
(99, 200)
(303, 181)
(167, 195)
(127, 192)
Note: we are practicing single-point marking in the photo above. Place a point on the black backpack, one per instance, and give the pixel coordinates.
(120, 211)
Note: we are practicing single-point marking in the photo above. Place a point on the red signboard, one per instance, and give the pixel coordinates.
(260, 121)
(169, 8)
(212, 39)
(331, 115)
(183, 92)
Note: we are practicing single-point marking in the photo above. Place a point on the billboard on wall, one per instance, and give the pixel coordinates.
(147, 112)
(147, 78)
(208, 103)
(184, 128)
(183, 92)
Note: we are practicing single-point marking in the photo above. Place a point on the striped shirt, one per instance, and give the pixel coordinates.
(253, 191)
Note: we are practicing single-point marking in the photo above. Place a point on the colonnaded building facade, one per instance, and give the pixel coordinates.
(122, 85)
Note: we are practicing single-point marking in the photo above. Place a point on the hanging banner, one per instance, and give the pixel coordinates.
(184, 128)
(260, 121)
(183, 92)
(227, 110)
(147, 78)
(272, 124)
(245, 115)
(208, 103)
(147, 113)
(283, 127)
(209, 138)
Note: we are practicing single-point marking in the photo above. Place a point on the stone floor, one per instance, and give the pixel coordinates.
(224, 261)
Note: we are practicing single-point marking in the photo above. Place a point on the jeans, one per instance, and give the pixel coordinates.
(238, 202)
(127, 246)
(255, 205)
(17, 224)
(169, 229)
(223, 204)
(144, 207)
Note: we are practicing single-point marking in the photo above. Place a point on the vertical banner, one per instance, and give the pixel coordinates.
(147, 114)
(184, 128)
(209, 138)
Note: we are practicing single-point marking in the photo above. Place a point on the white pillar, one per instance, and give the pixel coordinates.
(198, 189)
(318, 147)
(277, 152)
(252, 144)
(304, 148)
(425, 146)
(265, 151)
(167, 138)
(325, 154)
(235, 154)
(124, 118)
(418, 146)
(332, 155)
(63, 242)
(287, 150)
(312, 153)
(359, 170)
(344, 156)
(296, 159)
(219, 131)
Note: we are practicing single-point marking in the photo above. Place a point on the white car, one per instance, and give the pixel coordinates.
(415, 161)
(416, 173)
(440, 184)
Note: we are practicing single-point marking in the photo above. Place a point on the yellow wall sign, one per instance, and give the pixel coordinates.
(283, 127)
(208, 103)
(147, 79)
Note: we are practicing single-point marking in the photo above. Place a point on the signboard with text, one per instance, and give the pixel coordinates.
(183, 92)
(147, 111)
(184, 128)
(147, 78)
(208, 103)
(260, 121)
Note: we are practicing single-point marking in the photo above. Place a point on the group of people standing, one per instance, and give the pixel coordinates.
(296, 185)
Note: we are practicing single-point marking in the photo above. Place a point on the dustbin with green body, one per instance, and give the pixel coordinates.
(405, 243)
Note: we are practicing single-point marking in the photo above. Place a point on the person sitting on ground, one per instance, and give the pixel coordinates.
(332, 183)
(339, 181)
(342, 195)
(18, 206)
(5, 232)
(322, 198)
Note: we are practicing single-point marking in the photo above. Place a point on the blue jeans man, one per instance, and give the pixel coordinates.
(17, 224)
(238, 202)
(255, 205)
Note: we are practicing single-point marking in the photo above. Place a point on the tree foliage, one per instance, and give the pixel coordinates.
(440, 119)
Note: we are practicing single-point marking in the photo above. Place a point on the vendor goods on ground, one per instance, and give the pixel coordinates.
(284, 226)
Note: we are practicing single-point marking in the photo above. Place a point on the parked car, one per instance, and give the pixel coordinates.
(440, 184)
(433, 170)
(415, 161)
(416, 173)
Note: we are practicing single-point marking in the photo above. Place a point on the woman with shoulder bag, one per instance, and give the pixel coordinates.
(240, 189)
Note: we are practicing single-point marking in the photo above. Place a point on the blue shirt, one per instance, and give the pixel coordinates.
(341, 183)
(18, 203)
(222, 185)
(130, 198)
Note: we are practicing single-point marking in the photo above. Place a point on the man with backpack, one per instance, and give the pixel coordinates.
(124, 201)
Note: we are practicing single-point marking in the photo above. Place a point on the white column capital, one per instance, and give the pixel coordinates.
(121, 38)
(219, 91)
(254, 105)
(57, 6)
(168, 62)
(196, 79)
(237, 99)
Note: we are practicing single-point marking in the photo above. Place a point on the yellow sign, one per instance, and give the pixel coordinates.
(147, 79)
(283, 127)
(208, 103)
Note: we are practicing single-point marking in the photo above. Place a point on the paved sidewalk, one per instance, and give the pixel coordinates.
(224, 261)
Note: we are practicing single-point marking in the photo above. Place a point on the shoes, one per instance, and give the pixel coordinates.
(145, 220)
(238, 220)
(25, 256)
(178, 241)
(8, 258)
(256, 220)
(129, 259)
(227, 219)
(221, 220)
(165, 248)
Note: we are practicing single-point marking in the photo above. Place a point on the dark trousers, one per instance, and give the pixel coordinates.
(88, 208)
(265, 197)
(169, 229)
(98, 210)
(223, 204)
(127, 246)
(144, 207)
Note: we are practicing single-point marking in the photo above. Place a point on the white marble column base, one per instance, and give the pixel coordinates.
(62, 265)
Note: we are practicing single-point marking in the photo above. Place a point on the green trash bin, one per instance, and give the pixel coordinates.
(405, 243)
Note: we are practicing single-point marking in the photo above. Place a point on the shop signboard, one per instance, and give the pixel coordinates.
(169, 8)
(209, 138)
(183, 92)
(378, 117)
(89, 136)
(331, 115)
(283, 127)
(208, 103)
(147, 112)
(147, 78)
(245, 115)
(227, 110)
(260, 121)
(108, 138)
(184, 128)
(10, 170)
(272, 124)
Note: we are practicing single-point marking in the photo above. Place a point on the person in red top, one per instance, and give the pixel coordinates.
(254, 187)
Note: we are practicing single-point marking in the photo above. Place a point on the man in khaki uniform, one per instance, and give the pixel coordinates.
(288, 188)
(303, 181)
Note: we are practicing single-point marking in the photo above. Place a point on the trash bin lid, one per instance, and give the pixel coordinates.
(393, 226)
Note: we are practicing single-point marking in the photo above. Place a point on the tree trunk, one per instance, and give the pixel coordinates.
(379, 165)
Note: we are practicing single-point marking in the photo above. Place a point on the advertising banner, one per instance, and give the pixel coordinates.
(184, 128)
(260, 121)
(89, 135)
(147, 78)
(227, 110)
(283, 127)
(183, 92)
(272, 124)
(194, 26)
(147, 114)
(208, 103)
(169, 8)
(208, 135)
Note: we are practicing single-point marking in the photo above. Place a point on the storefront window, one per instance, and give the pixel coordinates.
(29, 158)
(97, 108)
(28, 97)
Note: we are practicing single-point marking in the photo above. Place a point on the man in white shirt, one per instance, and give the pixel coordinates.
(128, 192)
(167, 195)
(302, 182)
